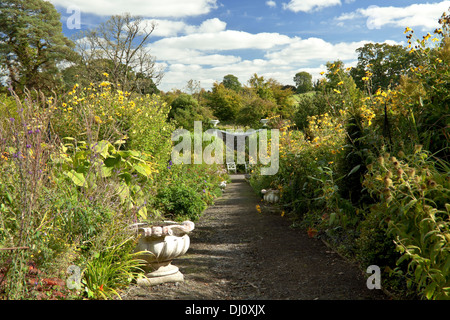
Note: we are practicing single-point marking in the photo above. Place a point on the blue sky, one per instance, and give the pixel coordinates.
(204, 40)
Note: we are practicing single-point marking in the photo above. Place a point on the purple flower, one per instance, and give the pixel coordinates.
(11, 119)
(37, 130)
(204, 190)
(30, 131)
(28, 146)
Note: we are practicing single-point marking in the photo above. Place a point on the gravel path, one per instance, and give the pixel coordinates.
(237, 253)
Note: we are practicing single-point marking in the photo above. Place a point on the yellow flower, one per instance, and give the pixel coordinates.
(105, 74)
(407, 29)
(337, 91)
(258, 208)
(97, 119)
(322, 73)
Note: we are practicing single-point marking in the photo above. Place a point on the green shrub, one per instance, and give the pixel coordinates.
(180, 202)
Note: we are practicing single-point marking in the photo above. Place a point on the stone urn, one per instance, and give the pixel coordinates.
(271, 195)
(214, 122)
(158, 245)
(264, 122)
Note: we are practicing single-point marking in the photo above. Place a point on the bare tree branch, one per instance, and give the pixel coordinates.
(119, 47)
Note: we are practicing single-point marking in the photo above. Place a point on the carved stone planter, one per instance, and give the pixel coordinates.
(271, 196)
(159, 245)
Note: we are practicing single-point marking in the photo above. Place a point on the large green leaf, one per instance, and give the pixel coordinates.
(143, 169)
(76, 177)
(123, 191)
(112, 161)
(102, 148)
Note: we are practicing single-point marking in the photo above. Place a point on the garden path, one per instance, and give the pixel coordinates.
(238, 253)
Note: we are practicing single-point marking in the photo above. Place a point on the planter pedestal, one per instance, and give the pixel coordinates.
(158, 246)
(162, 274)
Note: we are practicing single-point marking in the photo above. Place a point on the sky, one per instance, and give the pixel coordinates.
(205, 40)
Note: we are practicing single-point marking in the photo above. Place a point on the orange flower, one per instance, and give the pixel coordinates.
(311, 232)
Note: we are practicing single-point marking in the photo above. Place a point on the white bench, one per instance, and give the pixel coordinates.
(231, 166)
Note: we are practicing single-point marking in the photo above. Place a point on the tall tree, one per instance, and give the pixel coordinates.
(225, 103)
(387, 63)
(118, 47)
(261, 87)
(231, 82)
(32, 44)
(303, 82)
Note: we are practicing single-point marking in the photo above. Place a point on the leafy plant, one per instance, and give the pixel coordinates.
(181, 202)
(86, 166)
(415, 196)
(111, 270)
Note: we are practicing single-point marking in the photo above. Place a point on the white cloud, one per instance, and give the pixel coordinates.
(307, 51)
(423, 15)
(224, 40)
(208, 26)
(271, 4)
(348, 16)
(165, 28)
(309, 5)
(147, 8)
(171, 28)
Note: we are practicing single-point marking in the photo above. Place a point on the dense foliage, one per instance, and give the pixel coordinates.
(369, 170)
